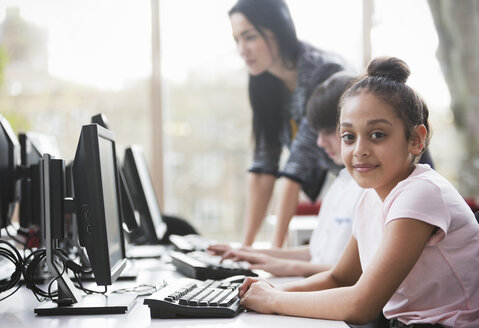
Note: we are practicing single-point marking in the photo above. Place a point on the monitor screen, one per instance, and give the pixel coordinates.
(139, 182)
(130, 215)
(96, 190)
(109, 182)
(9, 160)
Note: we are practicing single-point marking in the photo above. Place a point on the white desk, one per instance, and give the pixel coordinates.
(17, 311)
(300, 228)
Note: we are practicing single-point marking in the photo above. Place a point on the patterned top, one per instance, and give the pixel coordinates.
(307, 163)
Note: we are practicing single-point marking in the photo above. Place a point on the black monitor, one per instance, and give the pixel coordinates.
(9, 160)
(130, 215)
(97, 206)
(33, 145)
(139, 182)
(97, 197)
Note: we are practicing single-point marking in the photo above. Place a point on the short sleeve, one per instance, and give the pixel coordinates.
(420, 200)
(266, 157)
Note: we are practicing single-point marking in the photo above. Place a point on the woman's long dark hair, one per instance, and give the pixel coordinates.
(265, 90)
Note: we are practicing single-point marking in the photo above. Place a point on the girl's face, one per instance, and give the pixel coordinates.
(373, 143)
(329, 140)
(259, 53)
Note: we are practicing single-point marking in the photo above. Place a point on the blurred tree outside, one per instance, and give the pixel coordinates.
(457, 25)
(3, 61)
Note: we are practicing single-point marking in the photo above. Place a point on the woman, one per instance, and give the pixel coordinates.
(283, 72)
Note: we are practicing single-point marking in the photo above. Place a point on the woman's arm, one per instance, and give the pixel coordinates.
(260, 191)
(288, 205)
(402, 244)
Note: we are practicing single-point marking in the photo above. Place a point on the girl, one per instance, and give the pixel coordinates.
(415, 248)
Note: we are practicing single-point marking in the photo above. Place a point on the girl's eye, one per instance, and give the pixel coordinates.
(377, 135)
(251, 37)
(347, 137)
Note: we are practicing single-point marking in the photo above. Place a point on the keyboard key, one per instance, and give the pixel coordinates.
(196, 300)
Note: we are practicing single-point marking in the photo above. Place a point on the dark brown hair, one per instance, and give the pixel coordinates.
(322, 107)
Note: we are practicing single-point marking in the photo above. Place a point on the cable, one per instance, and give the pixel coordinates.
(8, 251)
(69, 264)
(86, 290)
(140, 290)
(31, 263)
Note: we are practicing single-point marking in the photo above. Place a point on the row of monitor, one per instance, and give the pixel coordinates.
(102, 196)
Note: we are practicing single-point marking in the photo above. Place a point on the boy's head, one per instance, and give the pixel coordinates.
(322, 112)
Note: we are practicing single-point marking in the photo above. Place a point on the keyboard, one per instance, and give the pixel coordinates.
(189, 243)
(145, 251)
(194, 298)
(202, 266)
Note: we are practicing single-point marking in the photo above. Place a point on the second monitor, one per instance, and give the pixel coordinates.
(152, 226)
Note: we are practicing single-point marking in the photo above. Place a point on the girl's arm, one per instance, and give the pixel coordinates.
(402, 243)
(277, 266)
(345, 273)
(298, 253)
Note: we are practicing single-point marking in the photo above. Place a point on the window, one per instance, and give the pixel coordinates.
(69, 60)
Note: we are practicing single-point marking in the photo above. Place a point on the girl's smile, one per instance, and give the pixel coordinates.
(374, 146)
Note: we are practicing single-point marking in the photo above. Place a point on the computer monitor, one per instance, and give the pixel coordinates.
(97, 197)
(96, 204)
(138, 179)
(130, 215)
(9, 160)
(32, 147)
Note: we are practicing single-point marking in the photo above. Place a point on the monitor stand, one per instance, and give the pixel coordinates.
(90, 304)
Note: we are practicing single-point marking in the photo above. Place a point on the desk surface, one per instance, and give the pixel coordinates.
(17, 310)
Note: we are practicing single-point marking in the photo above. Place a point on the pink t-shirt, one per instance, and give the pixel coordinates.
(443, 286)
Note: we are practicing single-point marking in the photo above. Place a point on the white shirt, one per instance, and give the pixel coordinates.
(335, 220)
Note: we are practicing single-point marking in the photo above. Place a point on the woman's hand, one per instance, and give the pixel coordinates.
(258, 295)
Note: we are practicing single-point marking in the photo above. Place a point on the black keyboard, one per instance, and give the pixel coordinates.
(202, 266)
(193, 298)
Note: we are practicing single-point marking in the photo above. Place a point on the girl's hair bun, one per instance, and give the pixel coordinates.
(389, 67)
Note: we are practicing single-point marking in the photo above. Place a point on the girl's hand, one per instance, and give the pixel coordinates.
(223, 249)
(273, 265)
(257, 294)
(218, 249)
